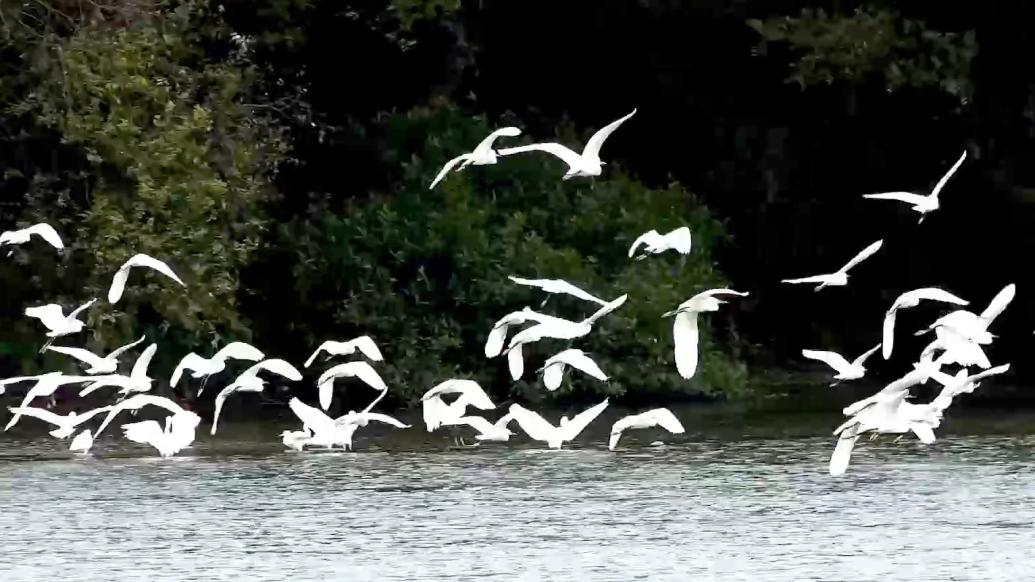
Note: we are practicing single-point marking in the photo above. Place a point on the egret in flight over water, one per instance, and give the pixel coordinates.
(249, 381)
(908, 300)
(539, 429)
(585, 164)
(202, 367)
(685, 334)
(662, 417)
(108, 364)
(839, 278)
(921, 203)
(553, 369)
(845, 370)
(57, 323)
(118, 282)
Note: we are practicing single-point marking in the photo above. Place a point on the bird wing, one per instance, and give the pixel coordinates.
(684, 336)
(142, 260)
(383, 418)
(139, 370)
(651, 238)
(897, 389)
(50, 316)
(998, 304)
(123, 349)
(573, 159)
(553, 374)
(278, 367)
(368, 374)
(327, 346)
(85, 356)
(941, 183)
(664, 418)
(865, 254)
(559, 286)
(832, 359)
(596, 141)
(446, 168)
(220, 398)
(888, 334)
(47, 233)
(240, 351)
(812, 279)
(580, 361)
(314, 418)
(842, 454)
(146, 432)
(39, 413)
(616, 431)
(907, 197)
(936, 294)
(365, 344)
(81, 418)
(580, 421)
(81, 308)
(485, 146)
(478, 423)
(923, 432)
(535, 426)
(497, 338)
(189, 362)
(472, 392)
(516, 362)
(679, 240)
(606, 309)
(866, 355)
(713, 292)
(118, 283)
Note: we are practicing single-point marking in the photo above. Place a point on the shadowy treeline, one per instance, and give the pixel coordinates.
(278, 151)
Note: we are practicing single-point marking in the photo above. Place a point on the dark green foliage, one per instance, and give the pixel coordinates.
(425, 272)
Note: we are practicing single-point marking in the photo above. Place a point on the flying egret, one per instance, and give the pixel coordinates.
(137, 381)
(46, 385)
(354, 420)
(558, 286)
(655, 243)
(97, 364)
(82, 442)
(58, 324)
(138, 402)
(66, 425)
(585, 164)
(498, 334)
(178, 434)
(839, 278)
(539, 429)
(845, 370)
(202, 367)
(436, 412)
(684, 327)
(553, 369)
(118, 282)
(974, 327)
(662, 417)
(363, 343)
(908, 300)
(961, 383)
(328, 432)
(488, 431)
(901, 385)
(42, 230)
(357, 369)
(249, 381)
(481, 155)
(921, 203)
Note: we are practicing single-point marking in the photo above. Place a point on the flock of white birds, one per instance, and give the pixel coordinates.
(959, 337)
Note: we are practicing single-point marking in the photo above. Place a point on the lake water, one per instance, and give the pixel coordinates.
(717, 505)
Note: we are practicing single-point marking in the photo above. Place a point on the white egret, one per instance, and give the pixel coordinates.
(684, 327)
(118, 282)
(42, 230)
(436, 412)
(139, 401)
(845, 370)
(363, 343)
(921, 203)
(654, 243)
(488, 431)
(97, 364)
(249, 381)
(585, 164)
(974, 327)
(296, 439)
(481, 155)
(498, 335)
(908, 300)
(839, 278)
(662, 417)
(558, 286)
(357, 369)
(553, 369)
(46, 385)
(328, 432)
(354, 420)
(66, 425)
(202, 367)
(539, 429)
(58, 324)
(178, 434)
(137, 381)
(82, 442)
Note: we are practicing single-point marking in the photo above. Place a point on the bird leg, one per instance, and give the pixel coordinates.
(898, 438)
(47, 345)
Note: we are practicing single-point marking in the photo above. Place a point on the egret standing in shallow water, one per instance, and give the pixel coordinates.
(585, 164)
(481, 155)
(921, 203)
(839, 278)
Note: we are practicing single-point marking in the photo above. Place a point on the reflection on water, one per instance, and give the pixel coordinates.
(701, 507)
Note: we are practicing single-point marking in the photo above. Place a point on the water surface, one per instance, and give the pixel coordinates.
(407, 507)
